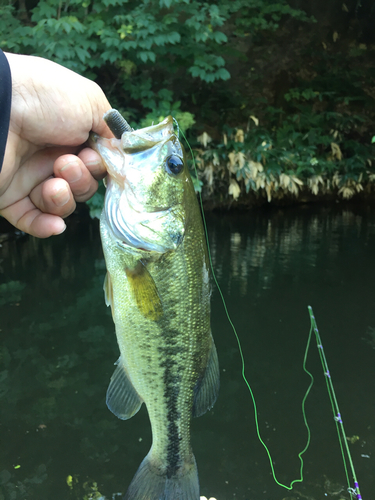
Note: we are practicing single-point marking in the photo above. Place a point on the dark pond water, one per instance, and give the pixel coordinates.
(57, 349)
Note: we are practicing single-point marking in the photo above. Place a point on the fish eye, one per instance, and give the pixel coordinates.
(174, 164)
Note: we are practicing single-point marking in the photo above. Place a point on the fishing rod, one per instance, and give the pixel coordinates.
(336, 411)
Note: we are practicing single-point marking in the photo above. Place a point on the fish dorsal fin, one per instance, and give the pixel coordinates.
(122, 399)
(207, 387)
(145, 292)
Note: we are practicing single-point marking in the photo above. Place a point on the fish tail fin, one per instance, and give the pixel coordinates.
(150, 483)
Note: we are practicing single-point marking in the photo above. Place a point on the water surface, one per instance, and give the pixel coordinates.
(57, 349)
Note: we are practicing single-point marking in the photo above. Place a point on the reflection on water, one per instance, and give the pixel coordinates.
(278, 243)
(57, 349)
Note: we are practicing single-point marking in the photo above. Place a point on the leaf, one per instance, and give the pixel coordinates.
(219, 61)
(160, 40)
(336, 151)
(222, 74)
(82, 54)
(220, 37)
(147, 55)
(240, 136)
(234, 189)
(174, 37)
(204, 139)
(166, 95)
(196, 71)
(67, 27)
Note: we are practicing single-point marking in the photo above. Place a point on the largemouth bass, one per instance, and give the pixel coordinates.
(158, 287)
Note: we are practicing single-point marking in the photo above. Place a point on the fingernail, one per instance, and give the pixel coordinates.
(61, 197)
(62, 230)
(72, 171)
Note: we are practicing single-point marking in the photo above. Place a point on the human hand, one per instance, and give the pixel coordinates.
(46, 169)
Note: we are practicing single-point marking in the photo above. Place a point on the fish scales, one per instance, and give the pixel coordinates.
(163, 361)
(159, 290)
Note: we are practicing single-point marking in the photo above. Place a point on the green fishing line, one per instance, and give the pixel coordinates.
(243, 360)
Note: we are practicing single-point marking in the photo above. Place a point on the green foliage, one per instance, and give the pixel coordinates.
(216, 63)
(162, 105)
(139, 45)
(142, 53)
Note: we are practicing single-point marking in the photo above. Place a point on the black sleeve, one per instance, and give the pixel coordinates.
(5, 102)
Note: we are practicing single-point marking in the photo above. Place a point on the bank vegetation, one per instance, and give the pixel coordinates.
(276, 97)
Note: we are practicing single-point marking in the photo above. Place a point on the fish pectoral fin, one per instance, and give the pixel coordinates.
(108, 291)
(145, 292)
(122, 399)
(207, 388)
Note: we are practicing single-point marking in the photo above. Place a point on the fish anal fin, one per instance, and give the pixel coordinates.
(145, 292)
(207, 388)
(122, 399)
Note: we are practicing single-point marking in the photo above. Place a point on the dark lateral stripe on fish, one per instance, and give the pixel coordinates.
(172, 380)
